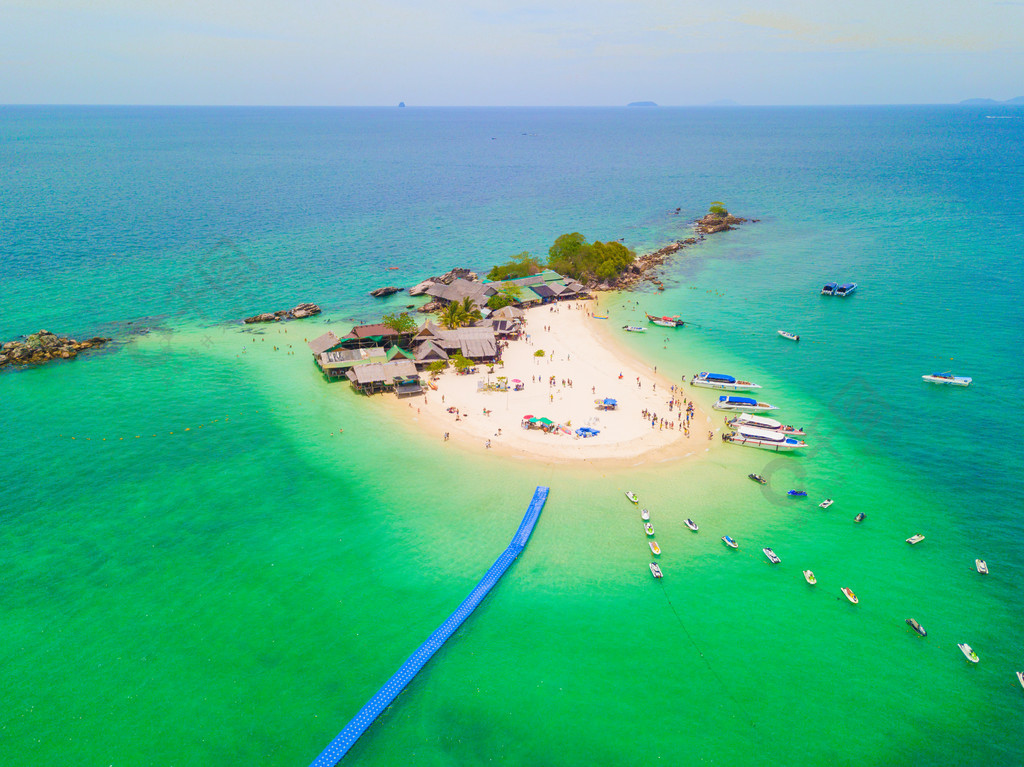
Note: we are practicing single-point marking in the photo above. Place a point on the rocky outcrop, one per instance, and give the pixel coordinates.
(431, 306)
(445, 279)
(300, 311)
(45, 346)
(383, 292)
(712, 224)
(643, 267)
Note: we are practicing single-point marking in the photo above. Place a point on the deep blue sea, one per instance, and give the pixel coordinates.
(197, 569)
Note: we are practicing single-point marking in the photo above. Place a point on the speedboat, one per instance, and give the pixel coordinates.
(859, 517)
(948, 378)
(762, 422)
(645, 514)
(850, 595)
(915, 539)
(982, 566)
(968, 652)
(722, 382)
(666, 322)
(1020, 678)
(648, 528)
(771, 556)
(846, 289)
(797, 493)
(691, 524)
(826, 503)
(634, 329)
(917, 627)
(631, 495)
(829, 289)
(655, 548)
(790, 336)
(757, 478)
(655, 570)
(809, 577)
(750, 436)
(742, 405)
(728, 541)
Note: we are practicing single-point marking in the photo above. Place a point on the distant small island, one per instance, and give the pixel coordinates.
(641, 104)
(1019, 101)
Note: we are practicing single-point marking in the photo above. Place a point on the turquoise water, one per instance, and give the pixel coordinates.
(232, 592)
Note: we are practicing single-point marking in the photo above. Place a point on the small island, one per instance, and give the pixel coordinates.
(641, 104)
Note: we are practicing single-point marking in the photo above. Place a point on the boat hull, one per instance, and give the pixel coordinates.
(733, 407)
(809, 577)
(763, 444)
(948, 381)
(730, 542)
(968, 652)
(850, 595)
(725, 386)
(918, 628)
(772, 556)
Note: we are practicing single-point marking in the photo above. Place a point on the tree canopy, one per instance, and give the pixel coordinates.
(522, 265)
(718, 209)
(400, 323)
(573, 256)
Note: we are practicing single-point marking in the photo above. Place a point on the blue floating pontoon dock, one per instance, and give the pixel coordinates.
(386, 694)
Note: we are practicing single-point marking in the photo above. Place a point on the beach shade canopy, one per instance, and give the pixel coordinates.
(516, 380)
(610, 402)
(527, 417)
(545, 421)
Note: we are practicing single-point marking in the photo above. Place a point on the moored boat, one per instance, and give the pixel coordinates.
(797, 493)
(968, 652)
(655, 570)
(665, 322)
(826, 503)
(632, 496)
(757, 478)
(859, 517)
(947, 378)
(645, 514)
(722, 382)
(790, 336)
(846, 289)
(809, 577)
(634, 329)
(850, 595)
(648, 528)
(982, 566)
(915, 539)
(742, 405)
(749, 436)
(917, 627)
(728, 541)
(772, 556)
(655, 548)
(762, 422)
(691, 524)
(829, 289)
(1020, 678)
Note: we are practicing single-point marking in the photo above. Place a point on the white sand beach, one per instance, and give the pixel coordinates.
(579, 349)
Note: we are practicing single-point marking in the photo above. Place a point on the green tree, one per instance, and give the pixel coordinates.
(507, 296)
(522, 265)
(718, 210)
(573, 256)
(461, 363)
(452, 316)
(401, 323)
(437, 367)
(470, 311)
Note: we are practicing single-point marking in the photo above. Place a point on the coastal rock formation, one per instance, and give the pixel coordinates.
(382, 292)
(445, 279)
(431, 306)
(712, 224)
(643, 266)
(45, 346)
(300, 311)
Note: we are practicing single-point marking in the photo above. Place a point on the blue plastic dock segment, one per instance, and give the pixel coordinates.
(386, 694)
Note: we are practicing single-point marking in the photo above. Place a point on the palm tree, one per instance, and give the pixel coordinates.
(452, 316)
(471, 312)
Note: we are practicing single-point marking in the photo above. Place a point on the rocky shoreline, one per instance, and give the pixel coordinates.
(45, 346)
(300, 311)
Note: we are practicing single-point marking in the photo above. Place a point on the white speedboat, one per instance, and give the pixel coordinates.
(915, 539)
(850, 595)
(968, 652)
(634, 329)
(762, 422)
(826, 503)
(948, 378)
(749, 436)
(655, 570)
(666, 322)
(645, 514)
(809, 577)
(728, 541)
(1020, 678)
(722, 382)
(772, 557)
(655, 548)
(691, 524)
(846, 289)
(648, 528)
(790, 336)
(829, 289)
(742, 405)
(632, 496)
(982, 566)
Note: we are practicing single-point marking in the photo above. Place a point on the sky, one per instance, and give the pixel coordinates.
(507, 53)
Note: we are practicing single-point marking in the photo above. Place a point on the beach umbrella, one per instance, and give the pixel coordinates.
(610, 402)
(546, 421)
(527, 417)
(516, 380)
